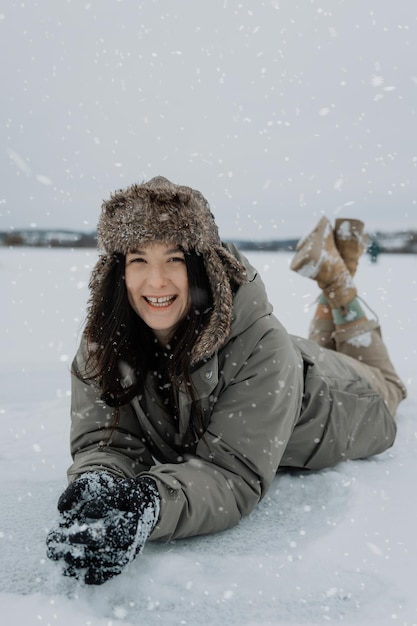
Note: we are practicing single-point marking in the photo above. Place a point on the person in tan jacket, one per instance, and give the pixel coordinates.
(188, 395)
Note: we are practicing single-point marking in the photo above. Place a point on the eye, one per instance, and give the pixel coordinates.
(137, 259)
(176, 259)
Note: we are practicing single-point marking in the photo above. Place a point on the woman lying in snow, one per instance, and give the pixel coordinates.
(188, 394)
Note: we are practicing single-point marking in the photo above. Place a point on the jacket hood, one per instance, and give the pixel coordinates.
(159, 210)
(250, 302)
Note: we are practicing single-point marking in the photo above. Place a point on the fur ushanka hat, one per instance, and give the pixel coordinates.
(159, 210)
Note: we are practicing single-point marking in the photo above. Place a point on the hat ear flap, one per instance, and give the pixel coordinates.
(234, 268)
(217, 330)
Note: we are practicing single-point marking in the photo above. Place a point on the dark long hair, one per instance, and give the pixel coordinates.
(119, 342)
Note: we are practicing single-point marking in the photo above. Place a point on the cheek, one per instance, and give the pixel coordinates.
(130, 298)
(130, 289)
(130, 281)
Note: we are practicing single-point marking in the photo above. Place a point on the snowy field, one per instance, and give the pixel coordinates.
(337, 546)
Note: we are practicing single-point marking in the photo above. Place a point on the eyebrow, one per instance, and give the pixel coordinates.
(167, 252)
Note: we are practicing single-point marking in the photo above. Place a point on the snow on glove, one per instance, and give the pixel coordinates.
(104, 524)
(70, 505)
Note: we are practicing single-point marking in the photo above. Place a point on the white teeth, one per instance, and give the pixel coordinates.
(163, 301)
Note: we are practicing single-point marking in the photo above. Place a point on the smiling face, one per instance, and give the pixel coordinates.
(157, 287)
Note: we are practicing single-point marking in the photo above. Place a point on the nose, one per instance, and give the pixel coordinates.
(157, 277)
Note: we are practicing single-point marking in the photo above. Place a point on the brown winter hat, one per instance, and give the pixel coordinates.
(159, 210)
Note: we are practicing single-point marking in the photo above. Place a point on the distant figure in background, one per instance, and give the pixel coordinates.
(188, 394)
(373, 250)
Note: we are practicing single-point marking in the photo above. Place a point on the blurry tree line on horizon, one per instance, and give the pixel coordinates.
(403, 242)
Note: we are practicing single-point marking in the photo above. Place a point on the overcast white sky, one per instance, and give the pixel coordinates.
(277, 110)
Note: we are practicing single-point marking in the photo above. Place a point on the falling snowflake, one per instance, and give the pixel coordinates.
(377, 81)
(119, 612)
(44, 180)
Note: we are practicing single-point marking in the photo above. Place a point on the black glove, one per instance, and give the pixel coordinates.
(104, 523)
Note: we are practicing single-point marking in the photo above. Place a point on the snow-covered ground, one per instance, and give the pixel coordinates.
(334, 546)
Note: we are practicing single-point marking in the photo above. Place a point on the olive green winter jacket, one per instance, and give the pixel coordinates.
(268, 399)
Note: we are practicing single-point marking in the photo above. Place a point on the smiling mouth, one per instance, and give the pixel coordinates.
(163, 301)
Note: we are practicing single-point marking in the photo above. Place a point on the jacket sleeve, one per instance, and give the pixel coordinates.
(125, 454)
(237, 459)
(252, 419)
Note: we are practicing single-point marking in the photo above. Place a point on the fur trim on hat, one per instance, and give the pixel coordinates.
(159, 210)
